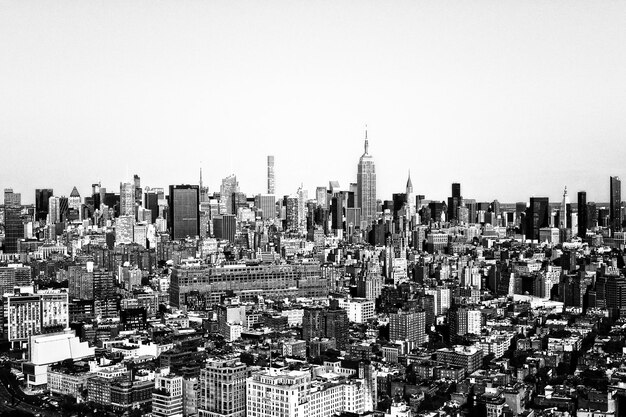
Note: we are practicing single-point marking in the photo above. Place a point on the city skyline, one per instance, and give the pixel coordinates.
(488, 94)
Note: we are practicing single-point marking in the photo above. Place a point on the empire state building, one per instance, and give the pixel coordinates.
(366, 188)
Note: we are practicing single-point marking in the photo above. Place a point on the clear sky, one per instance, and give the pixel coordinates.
(510, 98)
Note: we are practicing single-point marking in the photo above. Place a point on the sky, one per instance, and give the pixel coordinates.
(510, 98)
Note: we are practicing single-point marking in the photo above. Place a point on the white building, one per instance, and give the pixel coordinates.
(167, 398)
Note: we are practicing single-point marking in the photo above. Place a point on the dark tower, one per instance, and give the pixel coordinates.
(41, 203)
(184, 213)
(616, 204)
(582, 214)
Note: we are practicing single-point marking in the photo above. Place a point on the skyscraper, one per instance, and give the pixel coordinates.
(184, 211)
(137, 191)
(223, 389)
(616, 204)
(538, 216)
(270, 174)
(204, 191)
(409, 196)
(582, 214)
(229, 186)
(11, 198)
(74, 204)
(366, 187)
(455, 201)
(563, 210)
(127, 199)
(42, 200)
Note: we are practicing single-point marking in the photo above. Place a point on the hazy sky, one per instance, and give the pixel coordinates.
(510, 98)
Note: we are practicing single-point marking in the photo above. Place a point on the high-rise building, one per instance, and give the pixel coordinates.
(13, 227)
(563, 211)
(321, 197)
(456, 190)
(464, 320)
(42, 201)
(222, 389)
(267, 204)
(537, 216)
(152, 203)
(582, 214)
(616, 204)
(409, 195)
(366, 187)
(11, 198)
(270, 175)
(74, 204)
(127, 199)
(229, 186)
(137, 190)
(183, 219)
(291, 211)
(204, 191)
(408, 326)
(455, 202)
(167, 397)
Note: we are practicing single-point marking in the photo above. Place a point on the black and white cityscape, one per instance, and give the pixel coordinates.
(288, 209)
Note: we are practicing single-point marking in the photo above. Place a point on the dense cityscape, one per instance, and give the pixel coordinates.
(183, 302)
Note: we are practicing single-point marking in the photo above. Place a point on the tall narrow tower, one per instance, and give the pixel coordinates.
(563, 211)
(409, 196)
(616, 204)
(270, 174)
(366, 187)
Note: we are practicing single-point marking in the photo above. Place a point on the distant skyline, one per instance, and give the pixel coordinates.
(511, 99)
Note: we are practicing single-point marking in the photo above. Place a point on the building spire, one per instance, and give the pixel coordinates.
(200, 174)
(366, 142)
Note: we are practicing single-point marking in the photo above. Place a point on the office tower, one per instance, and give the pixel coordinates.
(409, 196)
(291, 213)
(366, 188)
(454, 202)
(42, 203)
(303, 196)
(13, 227)
(225, 227)
(273, 392)
(563, 211)
(137, 190)
(239, 200)
(183, 219)
(537, 216)
(616, 204)
(495, 207)
(80, 282)
(228, 187)
(592, 215)
(270, 175)
(124, 230)
(267, 204)
(167, 397)
(321, 197)
(222, 389)
(54, 210)
(152, 203)
(127, 199)
(456, 190)
(582, 214)
(204, 191)
(336, 212)
(409, 326)
(464, 320)
(74, 205)
(331, 323)
(11, 198)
